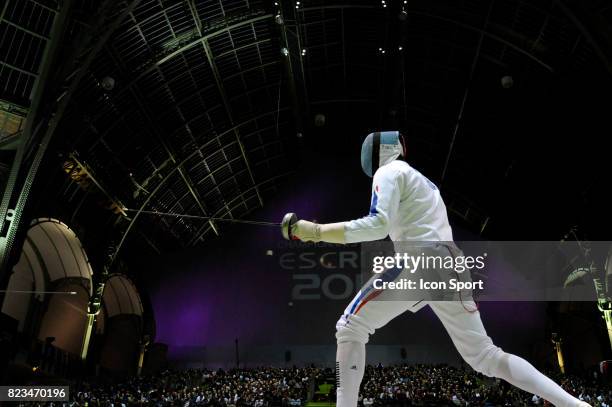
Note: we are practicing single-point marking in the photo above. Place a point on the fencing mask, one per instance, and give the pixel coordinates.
(379, 149)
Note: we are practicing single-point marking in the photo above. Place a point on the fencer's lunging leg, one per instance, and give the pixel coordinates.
(350, 365)
(475, 346)
(520, 373)
(360, 319)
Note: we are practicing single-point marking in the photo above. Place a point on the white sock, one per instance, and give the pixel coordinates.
(523, 375)
(350, 365)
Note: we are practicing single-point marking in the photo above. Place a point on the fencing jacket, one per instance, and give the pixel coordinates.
(405, 206)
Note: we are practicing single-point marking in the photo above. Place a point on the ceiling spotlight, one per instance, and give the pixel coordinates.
(108, 83)
(284, 51)
(400, 48)
(319, 120)
(507, 82)
(303, 52)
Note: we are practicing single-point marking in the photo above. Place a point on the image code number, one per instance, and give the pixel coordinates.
(34, 393)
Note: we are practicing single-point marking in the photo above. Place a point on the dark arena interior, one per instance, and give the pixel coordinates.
(185, 216)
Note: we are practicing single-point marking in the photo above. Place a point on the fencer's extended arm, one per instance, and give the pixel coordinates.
(374, 226)
(313, 232)
(385, 202)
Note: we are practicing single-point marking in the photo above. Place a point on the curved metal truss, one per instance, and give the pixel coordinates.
(193, 106)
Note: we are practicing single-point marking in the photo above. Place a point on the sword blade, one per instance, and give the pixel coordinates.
(208, 218)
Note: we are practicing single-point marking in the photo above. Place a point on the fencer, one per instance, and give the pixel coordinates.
(406, 206)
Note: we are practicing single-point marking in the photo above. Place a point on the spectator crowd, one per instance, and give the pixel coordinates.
(237, 387)
(382, 386)
(444, 385)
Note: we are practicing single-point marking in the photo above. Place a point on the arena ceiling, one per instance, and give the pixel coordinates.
(200, 107)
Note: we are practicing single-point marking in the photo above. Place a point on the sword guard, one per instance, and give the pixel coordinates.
(288, 221)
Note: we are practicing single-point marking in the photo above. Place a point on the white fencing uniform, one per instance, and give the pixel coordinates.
(408, 207)
(405, 205)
